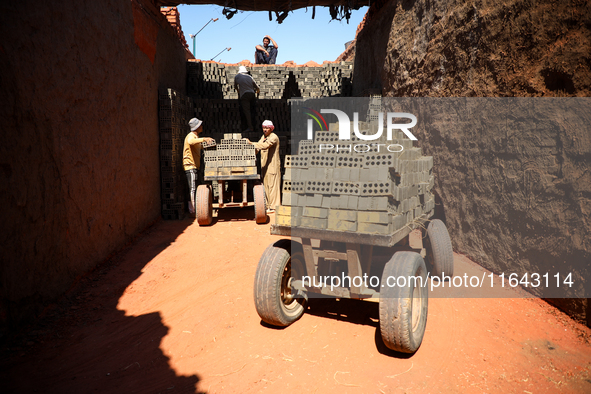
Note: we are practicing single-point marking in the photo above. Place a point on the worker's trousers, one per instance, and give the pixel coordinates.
(194, 181)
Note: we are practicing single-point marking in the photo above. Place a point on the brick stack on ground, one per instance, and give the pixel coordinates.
(175, 111)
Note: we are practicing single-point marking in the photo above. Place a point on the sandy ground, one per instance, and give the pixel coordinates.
(174, 312)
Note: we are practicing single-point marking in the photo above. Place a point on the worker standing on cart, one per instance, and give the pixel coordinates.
(192, 159)
(268, 145)
(248, 92)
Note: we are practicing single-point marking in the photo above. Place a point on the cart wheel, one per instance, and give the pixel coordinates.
(260, 209)
(273, 297)
(404, 302)
(204, 205)
(440, 255)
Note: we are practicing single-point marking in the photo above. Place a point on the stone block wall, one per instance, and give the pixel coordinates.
(209, 80)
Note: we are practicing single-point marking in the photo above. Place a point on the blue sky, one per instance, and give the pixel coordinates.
(300, 38)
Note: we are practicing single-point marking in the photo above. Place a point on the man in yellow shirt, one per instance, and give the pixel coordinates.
(268, 145)
(192, 159)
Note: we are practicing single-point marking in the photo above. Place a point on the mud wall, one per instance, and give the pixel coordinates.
(479, 48)
(510, 200)
(79, 146)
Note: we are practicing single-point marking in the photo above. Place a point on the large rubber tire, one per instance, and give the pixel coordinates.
(440, 255)
(403, 310)
(273, 298)
(260, 208)
(204, 205)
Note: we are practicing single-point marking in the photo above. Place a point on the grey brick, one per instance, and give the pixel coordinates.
(344, 187)
(289, 199)
(318, 186)
(398, 222)
(381, 159)
(349, 161)
(352, 202)
(321, 160)
(418, 211)
(341, 214)
(301, 200)
(299, 161)
(335, 202)
(374, 228)
(379, 188)
(341, 225)
(354, 175)
(342, 174)
(363, 203)
(315, 212)
(313, 200)
(373, 217)
(365, 174)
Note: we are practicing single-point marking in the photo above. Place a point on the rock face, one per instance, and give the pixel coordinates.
(79, 143)
(482, 48)
(521, 200)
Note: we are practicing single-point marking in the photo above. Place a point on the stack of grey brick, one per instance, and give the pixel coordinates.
(231, 155)
(213, 99)
(175, 111)
(206, 80)
(376, 192)
(216, 81)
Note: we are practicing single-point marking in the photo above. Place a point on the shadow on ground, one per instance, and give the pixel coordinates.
(355, 312)
(231, 214)
(86, 344)
(344, 309)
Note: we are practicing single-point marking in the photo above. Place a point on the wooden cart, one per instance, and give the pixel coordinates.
(205, 202)
(281, 293)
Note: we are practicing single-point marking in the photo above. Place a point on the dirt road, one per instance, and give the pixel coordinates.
(174, 312)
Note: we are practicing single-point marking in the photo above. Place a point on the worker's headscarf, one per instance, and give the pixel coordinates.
(268, 123)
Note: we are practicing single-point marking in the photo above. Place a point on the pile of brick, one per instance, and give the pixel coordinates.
(213, 99)
(371, 193)
(173, 17)
(175, 111)
(232, 156)
(207, 80)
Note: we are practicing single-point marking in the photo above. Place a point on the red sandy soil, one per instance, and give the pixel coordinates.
(174, 312)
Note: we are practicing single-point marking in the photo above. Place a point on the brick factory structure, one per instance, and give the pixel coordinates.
(96, 98)
(212, 98)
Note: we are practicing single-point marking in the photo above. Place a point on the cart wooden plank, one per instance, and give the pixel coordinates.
(233, 204)
(349, 237)
(237, 177)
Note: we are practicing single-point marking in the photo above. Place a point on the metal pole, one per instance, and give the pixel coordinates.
(193, 35)
(225, 49)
